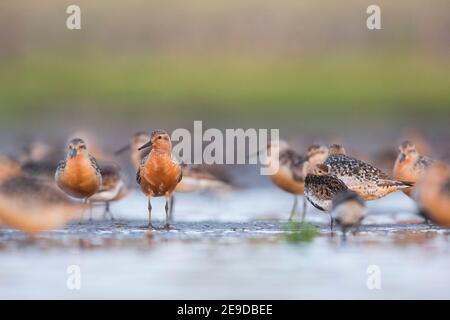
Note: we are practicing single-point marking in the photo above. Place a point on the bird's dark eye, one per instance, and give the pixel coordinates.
(160, 137)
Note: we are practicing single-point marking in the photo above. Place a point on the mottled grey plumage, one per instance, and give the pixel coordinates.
(368, 181)
(320, 190)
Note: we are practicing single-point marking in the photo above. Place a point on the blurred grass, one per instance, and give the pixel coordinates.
(337, 84)
(296, 232)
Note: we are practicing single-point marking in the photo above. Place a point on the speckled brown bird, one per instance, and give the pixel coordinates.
(34, 205)
(359, 176)
(113, 186)
(348, 210)
(159, 174)
(290, 176)
(78, 174)
(321, 188)
(433, 194)
(410, 165)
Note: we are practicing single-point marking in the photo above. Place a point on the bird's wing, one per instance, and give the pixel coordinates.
(95, 164)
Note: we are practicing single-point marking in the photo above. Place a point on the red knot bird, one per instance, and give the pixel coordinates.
(78, 174)
(159, 173)
(33, 205)
(410, 165)
(289, 171)
(195, 177)
(433, 194)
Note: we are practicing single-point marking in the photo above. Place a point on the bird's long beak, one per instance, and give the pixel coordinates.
(147, 145)
(73, 153)
(123, 149)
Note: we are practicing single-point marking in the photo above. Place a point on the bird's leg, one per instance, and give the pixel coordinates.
(84, 210)
(108, 212)
(331, 223)
(294, 208)
(90, 211)
(150, 226)
(167, 207)
(357, 229)
(344, 234)
(172, 201)
(305, 205)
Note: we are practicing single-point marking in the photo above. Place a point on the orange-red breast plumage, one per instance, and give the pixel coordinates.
(159, 173)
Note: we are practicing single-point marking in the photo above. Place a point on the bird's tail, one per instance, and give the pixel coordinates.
(395, 183)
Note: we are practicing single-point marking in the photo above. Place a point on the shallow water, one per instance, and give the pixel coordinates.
(230, 246)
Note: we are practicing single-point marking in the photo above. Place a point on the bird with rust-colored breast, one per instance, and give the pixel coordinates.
(195, 177)
(321, 188)
(32, 204)
(159, 173)
(78, 174)
(365, 179)
(433, 194)
(410, 165)
(288, 171)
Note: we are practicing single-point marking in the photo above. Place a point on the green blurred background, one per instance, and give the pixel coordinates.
(231, 62)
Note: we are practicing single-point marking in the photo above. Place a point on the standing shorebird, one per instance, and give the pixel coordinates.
(195, 177)
(33, 204)
(159, 174)
(321, 188)
(410, 165)
(348, 210)
(290, 176)
(113, 187)
(78, 174)
(433, 194)
(359, 176)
